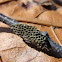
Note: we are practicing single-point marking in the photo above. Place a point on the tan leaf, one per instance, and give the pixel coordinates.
(2, 1)
(59, 10)
(51, 18)
(15, 10)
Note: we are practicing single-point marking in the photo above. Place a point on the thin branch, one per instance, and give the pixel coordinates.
(55, 36)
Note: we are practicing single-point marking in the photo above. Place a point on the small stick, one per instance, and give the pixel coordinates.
(34, 37)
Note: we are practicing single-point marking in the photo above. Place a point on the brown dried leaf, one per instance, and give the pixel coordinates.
(51, 18)
(58, 32)
(59, 10)
(2, 1)
(15, 10)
